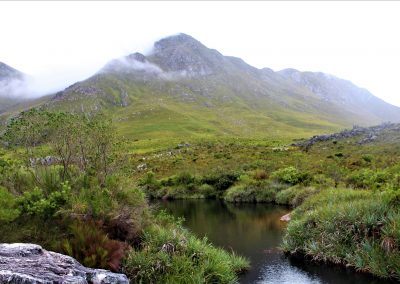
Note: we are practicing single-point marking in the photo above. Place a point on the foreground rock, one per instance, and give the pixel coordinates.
(31, 264)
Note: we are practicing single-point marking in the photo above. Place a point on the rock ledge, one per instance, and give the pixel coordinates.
(31, 264)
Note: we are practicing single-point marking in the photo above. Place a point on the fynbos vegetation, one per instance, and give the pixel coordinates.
(65, 184)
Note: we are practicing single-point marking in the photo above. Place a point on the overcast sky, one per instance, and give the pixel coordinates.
(60, 43)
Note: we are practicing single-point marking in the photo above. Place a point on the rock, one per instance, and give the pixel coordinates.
(183, 145)
(142, 167)
(368, 135)
(286, 218)
(137, 57)
(31, 264)
(46, 161)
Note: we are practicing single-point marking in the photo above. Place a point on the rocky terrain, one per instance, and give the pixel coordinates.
(31, 264)
(364, 134)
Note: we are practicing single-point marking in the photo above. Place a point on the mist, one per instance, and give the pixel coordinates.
(57, 50)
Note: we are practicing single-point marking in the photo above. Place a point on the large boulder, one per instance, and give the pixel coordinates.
(31, 264)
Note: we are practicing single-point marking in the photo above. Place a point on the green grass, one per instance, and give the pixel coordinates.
(351, 227)
(345, 195)
(170, 254)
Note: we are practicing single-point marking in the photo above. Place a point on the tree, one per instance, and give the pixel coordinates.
(86, 143)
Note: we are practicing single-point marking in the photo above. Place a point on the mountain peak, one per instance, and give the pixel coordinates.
(177, 40)
(184, 54)
(137, 57)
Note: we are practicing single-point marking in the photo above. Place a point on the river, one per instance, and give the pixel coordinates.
(255, 231)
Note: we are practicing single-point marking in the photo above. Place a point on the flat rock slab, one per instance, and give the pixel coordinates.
(31, 264)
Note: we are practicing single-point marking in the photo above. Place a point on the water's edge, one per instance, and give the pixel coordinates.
(255, 231)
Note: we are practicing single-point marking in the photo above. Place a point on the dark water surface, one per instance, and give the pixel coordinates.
(254, 231)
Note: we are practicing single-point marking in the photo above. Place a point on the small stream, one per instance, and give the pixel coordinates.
(255, 231)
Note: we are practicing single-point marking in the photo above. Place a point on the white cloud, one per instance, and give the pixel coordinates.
(59, 43)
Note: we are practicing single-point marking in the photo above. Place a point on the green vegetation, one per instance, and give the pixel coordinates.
(356, 228)
(169, 254)
(90, 192)
(66, 184)
(77, 181)
(345, 195)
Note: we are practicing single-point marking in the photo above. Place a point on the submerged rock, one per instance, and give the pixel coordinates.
(31, 264)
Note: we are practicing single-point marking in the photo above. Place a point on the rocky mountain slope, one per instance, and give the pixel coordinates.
(344, 94)
(12, 82)
(182, 88)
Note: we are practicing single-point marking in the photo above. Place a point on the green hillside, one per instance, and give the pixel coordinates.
(184, 90)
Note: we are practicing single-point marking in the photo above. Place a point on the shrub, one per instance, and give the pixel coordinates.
(368, 179)
(302, 195)
(8, 212)
(339, 155)
(36, 203)
(295, 195)
(249, 190)
(260, 174)
(286, 196)
(290, 175)
(91, 246)
(322, 181)
(240, 193)
(221, 181)
(207, 190)
(170, 254)
(150, 185)
(367, 158)
(266, 194)
(392, 197)
(184, 178)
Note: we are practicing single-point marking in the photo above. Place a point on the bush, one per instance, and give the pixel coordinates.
(36, 203)
(207, 190)
(290, 175)
(367, 158)
(91, 246)
(352, 227)
(322, 181)
(151, 185)
(368, 179)
(8, 211)
(184, 178)
(302, 195)
(286, 196)
(260, 174)
(221, 181)
(170, 254)
(240, 193)
(249, 190)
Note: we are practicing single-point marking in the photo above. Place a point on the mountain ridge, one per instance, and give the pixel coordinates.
(183, 88)
(12, 84)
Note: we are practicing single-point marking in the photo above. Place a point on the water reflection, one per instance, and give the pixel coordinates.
(254, 230)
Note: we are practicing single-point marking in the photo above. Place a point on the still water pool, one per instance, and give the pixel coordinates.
(255, 231)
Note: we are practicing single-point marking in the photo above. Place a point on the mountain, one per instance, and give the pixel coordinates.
(345, 94)
(8, 73)
(182, 88)
(12, 82)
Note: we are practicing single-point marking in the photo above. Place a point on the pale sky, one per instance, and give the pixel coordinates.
(59, 43)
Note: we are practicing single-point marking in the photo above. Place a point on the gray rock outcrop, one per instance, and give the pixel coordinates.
(31, 264)
(366, 134)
